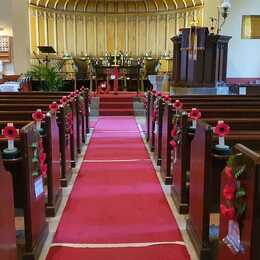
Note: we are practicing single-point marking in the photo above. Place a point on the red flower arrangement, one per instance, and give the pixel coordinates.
(10, 132)
(42, 157)
(63, 100)
(229, 172)
(38, 116)
(221, 129)
(166, 98)
(173, 144)
(233, 204)
(43, 168)
(177, 104)
(195, 114)
(228, 213)
(174, 131)
(54, 107)
(229, 191)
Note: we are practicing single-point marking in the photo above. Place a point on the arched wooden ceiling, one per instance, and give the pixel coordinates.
(116, 6)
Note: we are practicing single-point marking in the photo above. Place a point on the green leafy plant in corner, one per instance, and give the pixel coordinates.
(47, 75)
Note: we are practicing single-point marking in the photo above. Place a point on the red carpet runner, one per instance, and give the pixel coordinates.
(117, 209)
(116, 105)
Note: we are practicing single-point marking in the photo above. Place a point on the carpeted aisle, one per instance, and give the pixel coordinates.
(117, 209)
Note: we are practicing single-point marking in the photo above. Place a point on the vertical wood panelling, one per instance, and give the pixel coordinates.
(51, 30)
(110, 34)
(80, 35)
(142, 34)
(41, 29)
(93, 34)
(90, 36)
(60, 35)
(100, 36)
(33, 31)
(70, 34)
(121, 33)
(132, 35)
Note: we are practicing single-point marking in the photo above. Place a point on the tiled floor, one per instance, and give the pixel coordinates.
(53, 222)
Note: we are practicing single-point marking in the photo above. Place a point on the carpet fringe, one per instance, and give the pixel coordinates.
(118, 245)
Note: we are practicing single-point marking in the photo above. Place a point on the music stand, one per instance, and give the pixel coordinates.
(46, 50)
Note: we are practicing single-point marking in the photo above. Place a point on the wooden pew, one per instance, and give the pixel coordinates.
(181, 168)
(84, 92)
(64, 139)
(67, 149)
(249, 223)
(7, 221)
(209, 112)
(206, 166)
(51, 145)
(28, 192)
(75, 136)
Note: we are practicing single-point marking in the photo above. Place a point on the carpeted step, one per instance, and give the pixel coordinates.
(116, 99)
(118, 105)
(116, 112)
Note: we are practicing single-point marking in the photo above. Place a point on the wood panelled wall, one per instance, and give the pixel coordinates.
(94, 33)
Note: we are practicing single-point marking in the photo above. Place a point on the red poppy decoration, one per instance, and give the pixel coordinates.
(42, 157)
(173, 144)
(228, 212)
(82, 88)
(229, 172)
(195, 114)
(154, 92)
(174, 132)
(229, 191)
(177, 104)
(54, 107)
(221, 129)
(63, 100)
(38, 116)
(44, 169)
(166, 98)
(158, 94)
(10, 132)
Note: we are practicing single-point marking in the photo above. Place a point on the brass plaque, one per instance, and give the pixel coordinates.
(250, 27)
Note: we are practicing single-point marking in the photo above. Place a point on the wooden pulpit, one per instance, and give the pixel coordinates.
(199, 58)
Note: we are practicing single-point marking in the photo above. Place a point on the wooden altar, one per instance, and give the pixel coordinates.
(199, 58)
(129, 76)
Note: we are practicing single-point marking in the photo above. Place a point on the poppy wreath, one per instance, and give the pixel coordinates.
(155, 105)
(178, 105)
(54, 107)
(63, 100)
(38, 116)
(42, 159)
(10, 132)
(233, 206)
(194, 115)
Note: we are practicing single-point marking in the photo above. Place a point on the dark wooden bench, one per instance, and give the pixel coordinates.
(29, 196)
(181, 168)
(205, 173)
(249, 223)
(7, 225)
(51, 144)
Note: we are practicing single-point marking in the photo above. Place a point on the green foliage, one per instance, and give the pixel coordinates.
(48, 75)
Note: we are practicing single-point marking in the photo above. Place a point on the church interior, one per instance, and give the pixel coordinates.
(133, 129)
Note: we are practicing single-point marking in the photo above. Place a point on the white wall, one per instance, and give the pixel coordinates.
(14, 21)
(244, 55)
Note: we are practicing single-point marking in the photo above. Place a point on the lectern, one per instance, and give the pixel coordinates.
(199, 58)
